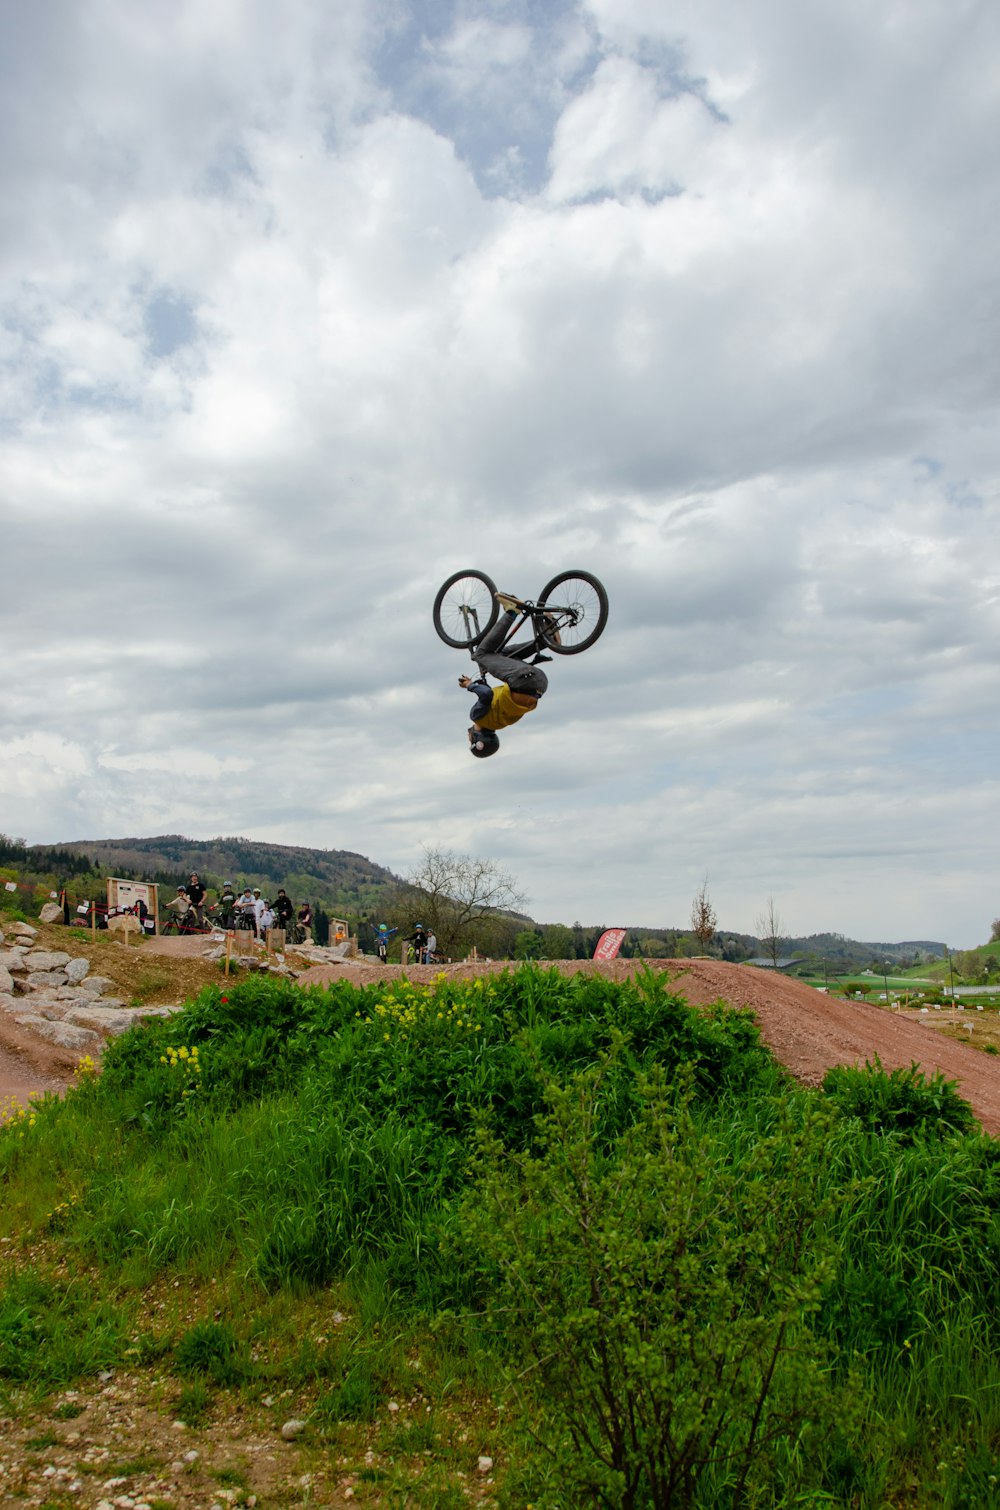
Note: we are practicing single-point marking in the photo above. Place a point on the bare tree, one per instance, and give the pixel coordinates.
(703, 917)
(770, 925)
(455, 893)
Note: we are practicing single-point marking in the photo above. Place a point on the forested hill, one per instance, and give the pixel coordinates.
(336, 877)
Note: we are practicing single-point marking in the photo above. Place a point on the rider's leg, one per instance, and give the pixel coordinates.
(495, 637)
(509, 667)
(518, 676)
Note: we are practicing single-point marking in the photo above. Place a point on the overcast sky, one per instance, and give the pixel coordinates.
(304, 307)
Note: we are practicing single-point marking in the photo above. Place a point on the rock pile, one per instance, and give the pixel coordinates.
(54, 995)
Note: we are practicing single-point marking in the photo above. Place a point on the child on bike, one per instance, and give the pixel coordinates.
(181, 908)
(382, 937)
(521, 682)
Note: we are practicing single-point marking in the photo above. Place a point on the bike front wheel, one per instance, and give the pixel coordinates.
(574, 608)
(465, 608)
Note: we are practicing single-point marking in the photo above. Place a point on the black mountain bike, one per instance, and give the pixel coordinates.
(569, 616)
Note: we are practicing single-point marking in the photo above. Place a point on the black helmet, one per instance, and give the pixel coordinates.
(483, 742)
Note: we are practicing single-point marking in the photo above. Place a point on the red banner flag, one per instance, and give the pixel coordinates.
(609, 943)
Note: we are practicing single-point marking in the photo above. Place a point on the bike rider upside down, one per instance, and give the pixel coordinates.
(521, 681)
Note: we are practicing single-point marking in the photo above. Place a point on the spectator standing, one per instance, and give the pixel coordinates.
(245, 909)
(265, 920)
(227, 904)
(258, 907)
(284, 911)
(431, 949)
(305, 922)
(196, 896)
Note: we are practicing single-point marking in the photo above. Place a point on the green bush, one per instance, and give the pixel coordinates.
(902, 1101)
(660, 1298)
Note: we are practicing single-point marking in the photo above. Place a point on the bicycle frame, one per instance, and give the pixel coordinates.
(539, 618)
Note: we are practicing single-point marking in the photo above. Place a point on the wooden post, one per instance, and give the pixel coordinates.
(229, 949)
(93, 921)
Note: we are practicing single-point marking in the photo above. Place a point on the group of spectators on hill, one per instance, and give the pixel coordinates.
(245, 909)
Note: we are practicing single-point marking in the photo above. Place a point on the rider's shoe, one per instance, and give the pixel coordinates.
(536, 660)
(508, 601)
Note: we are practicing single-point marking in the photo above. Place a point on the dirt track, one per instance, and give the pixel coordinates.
(806, 1030)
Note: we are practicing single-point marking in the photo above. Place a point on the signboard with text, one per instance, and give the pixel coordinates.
(609, 943)
(125, 896)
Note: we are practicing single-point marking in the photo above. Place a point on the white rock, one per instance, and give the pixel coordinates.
(76, 970)
(484, 1464)
(46, 980)
(52, 1011)
(61, 1033)
(46, 959)
(192, 1456)
(25, 931)
(102, 1019)
(292, 1429)
(50, 913)
(6, 980)
(96, 985)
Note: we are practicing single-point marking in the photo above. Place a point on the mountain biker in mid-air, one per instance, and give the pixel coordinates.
(521, 682)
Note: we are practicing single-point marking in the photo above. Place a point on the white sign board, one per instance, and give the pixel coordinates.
(124, 895)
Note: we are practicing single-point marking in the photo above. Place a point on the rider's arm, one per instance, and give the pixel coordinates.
(484, 699)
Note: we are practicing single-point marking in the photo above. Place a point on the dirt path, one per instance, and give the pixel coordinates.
(806, 1030)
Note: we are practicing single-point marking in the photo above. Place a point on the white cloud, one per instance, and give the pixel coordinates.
(763, 409)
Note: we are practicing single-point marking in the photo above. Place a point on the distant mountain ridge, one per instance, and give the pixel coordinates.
(335, 877)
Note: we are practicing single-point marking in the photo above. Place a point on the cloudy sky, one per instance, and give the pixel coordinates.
(304, 307)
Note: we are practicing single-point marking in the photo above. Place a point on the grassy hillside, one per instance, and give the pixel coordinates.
(572, 1227)
(336, 878)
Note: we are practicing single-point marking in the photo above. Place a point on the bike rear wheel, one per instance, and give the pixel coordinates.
(465, 608)
(575, 607)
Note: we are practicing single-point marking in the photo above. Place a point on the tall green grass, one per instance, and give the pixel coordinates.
(299, 1137)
